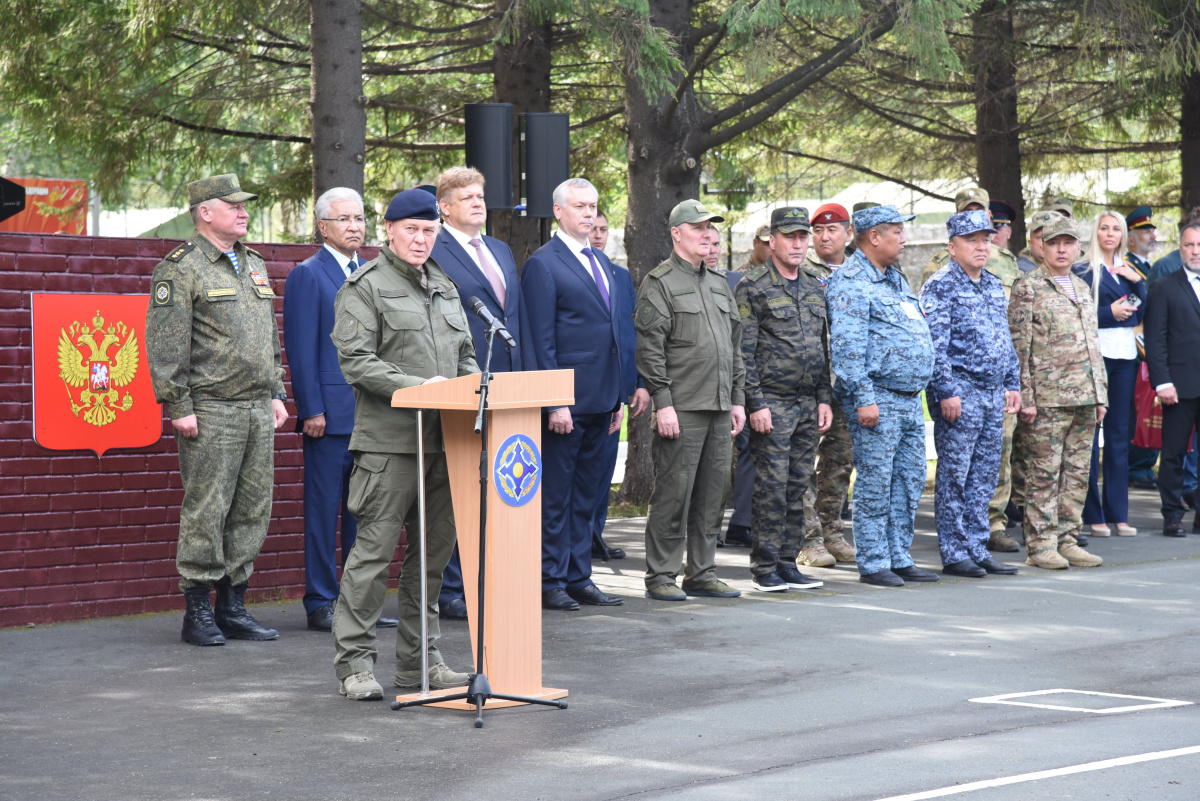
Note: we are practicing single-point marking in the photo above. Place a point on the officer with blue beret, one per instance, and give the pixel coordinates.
(976, 380)
(883, 357)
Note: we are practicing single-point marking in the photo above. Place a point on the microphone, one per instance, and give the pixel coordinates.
(481, 311)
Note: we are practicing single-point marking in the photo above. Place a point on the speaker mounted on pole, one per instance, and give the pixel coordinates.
(545, 160)
(489, 128)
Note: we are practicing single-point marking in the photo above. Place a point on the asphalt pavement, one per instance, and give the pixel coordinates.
(843, 692)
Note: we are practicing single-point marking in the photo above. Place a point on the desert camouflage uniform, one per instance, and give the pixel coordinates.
(785, 342)
(213, 347)
(1063, 376)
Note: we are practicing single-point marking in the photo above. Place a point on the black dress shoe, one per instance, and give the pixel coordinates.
(592, 596)
(454, 609)
(321, 619)
(558, 599)
(1173, 527)
(1143, 483)
(965, 569)
(882, 578)
(997, 568)
(387, 622)
(1082, 540)
(738, 535)
(914, 573)
(603, 551)
(1014, 513)
(1189, 499)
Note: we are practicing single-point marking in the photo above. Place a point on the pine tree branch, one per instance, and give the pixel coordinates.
(856, 167)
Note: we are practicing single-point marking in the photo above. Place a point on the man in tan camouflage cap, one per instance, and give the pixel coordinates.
(213, 347)
(760, 250)
(1030, 258)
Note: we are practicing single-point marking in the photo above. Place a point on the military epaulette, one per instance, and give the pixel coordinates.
(661, 270)
(721, 271)
(757, 273)
(940, 274)
(256, 253)
(181, 251)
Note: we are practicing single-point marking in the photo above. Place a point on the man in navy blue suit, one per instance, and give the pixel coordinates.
(324, 401)
(576, 323)
(482, 267)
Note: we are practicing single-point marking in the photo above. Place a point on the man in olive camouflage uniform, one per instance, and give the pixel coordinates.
(785, 344)
(399, 323)
(688, 357)
(824, 535)
(1064, 389)
(213, 347)
(760, 250)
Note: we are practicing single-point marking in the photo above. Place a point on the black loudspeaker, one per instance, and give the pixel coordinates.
(545, 160)
(12, 199)
(489, 150)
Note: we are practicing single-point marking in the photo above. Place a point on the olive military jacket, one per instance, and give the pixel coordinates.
(211, 332)
(392, 333)
(1056, 342)
(1000, 263)
(688, 331)
(785, 336)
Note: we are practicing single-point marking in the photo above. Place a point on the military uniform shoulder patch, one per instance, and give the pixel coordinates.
(346, 328)
(661, 270)
(181, 251)
(647, 312)
(744, 310)
(929, 303)
(163, 293)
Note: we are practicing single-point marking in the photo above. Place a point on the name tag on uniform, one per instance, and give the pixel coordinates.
(258, 279)
(910, 310)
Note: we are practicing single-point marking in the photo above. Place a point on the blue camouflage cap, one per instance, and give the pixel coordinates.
(878, 215)
(968, 222)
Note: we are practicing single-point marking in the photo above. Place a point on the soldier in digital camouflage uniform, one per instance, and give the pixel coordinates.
(399, 323)
(213, 347)
(1063, 394)
(785, 338)
(759, 250)
(687, 355)
(883, 358)
(975, 386)
(824, 535)
(1030, 258)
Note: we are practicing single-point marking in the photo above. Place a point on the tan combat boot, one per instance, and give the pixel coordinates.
(815, 555)
(1047, 558)
(840, 550)
(1077, 556)
(1000, 541)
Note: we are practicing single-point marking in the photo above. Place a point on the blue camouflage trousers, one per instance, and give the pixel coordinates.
(968, 467)
(890, 460)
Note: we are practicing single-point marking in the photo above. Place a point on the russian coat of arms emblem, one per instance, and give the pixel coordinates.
(95, 361)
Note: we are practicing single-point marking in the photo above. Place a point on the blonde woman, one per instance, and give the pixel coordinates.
(1119, 296)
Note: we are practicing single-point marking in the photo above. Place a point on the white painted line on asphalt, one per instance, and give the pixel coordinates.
(1156, 703)
(1045, 774)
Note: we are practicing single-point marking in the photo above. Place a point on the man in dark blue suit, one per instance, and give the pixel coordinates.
(324, 401)
(576, 324)
(482, 267)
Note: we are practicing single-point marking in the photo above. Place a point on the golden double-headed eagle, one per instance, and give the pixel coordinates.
(97, 374)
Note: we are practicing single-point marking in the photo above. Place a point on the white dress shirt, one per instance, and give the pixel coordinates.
(465, 241)
(343, 260)
(1193, 280)
(577, 248)
(1118, 342)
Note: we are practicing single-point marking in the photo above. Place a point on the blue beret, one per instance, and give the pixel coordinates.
(412, 204)
(969, 222)
(878, 215)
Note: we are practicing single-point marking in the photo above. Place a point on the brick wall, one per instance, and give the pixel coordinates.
(85, 536)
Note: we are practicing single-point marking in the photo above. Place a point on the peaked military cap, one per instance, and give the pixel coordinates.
(1002, 212)
(692, 211)
(878, 215)
(788, 219)
(972, 194)
(1140, 218)
(968, 222)
(1059, 226)
(218, 187)
(763, 234)
(412, 204)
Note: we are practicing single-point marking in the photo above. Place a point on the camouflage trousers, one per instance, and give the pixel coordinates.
(997, 517)
(783, 463)
(824, 497)
(1017, 465)
(383, 498)
(969, 452)
(1058, 456)
(228, 473)
(890, 460)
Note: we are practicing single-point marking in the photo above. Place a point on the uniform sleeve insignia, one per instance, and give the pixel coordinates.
(164, 293)
(181, 251)
(347, 327)
(929, 303)
(744, 310)
(661, 270)
(646, 313)
(1018, 316)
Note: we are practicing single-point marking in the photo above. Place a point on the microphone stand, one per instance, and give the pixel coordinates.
(478, 690)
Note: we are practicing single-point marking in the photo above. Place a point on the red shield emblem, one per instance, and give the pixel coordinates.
(91, 381)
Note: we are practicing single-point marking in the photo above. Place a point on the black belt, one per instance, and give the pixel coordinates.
(903, 392)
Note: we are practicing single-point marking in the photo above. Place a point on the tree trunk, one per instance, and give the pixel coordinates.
(664, 169)
(339, 120)
(522, 77)
(1189, 143)
(997, 137)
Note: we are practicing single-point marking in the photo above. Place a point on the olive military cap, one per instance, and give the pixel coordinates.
(972, 194)
(1041, 218)
(218, 187)
(1059, 226)
(692, 211)
(789, 219)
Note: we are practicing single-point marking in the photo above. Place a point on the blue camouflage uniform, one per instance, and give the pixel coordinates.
(882, 354)
(974, 360)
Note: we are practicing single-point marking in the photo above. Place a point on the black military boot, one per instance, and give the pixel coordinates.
(235, 622)
(198, 625)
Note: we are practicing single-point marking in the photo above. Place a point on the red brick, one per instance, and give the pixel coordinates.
(12, 597)
(23, 541)
(15, 392)
(119, 571)
(103, 517)
(18, 430)
(63, 243)
(12, 486)
(266, 562)
(161, 567)
(49, 557)
(125, 463)
(72, 465)
(288, 525)
(10, 337)
(24, 467)
(42, 262)
(8, 261)
(291, 559)
(115, 246)
(55, 593)
(98, 482)
(166, 532)
(120, 535)
(123, 500)
(163, 462)
(12, 523)
(72, 611)
(12, 560)
(49, 484)
(98, 554)
(145, 552)
(140, 268)
(25, 577)
(156, 248)
(140, 517)
(131, 481)
(289, 459)
(121, 606)
(20, 243)
(74, 574)
(68, 282)
(162, 498)
(27, 503)
(15, 297)
(12, 375)
(150, 586)
(22, 616)
(75, 500)
(165, 603)
(48, 520)
(116, 284)
(26, 282)
(77, 536)
(98, 590)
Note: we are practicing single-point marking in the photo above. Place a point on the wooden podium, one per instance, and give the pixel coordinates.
(513, 622)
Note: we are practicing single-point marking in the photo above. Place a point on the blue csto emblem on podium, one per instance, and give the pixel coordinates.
(517, 470)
